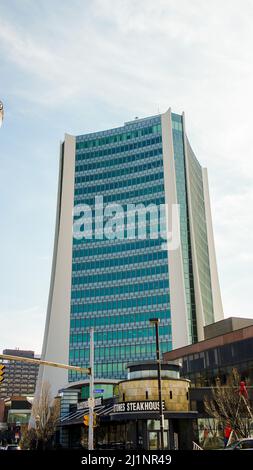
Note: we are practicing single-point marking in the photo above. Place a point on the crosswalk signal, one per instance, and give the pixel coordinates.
(2, 367)
(86, 420)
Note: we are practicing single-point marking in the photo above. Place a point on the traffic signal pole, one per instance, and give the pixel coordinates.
(91, 399)
(8, 357)
(89, 371)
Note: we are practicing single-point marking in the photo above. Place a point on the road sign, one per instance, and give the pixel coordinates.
(91, 402)
(85, 404)
(99, 390)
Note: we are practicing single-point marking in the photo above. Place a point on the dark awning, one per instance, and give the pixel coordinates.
(107, 412)
(153, 415)
(76, 417)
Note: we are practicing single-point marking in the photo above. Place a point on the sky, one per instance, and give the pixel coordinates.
(90, 65)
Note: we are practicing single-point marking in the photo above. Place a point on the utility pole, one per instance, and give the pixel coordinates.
(155, 321)
(91, 399)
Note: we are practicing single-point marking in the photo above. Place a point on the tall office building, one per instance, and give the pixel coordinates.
(117, 284)
(19, 377)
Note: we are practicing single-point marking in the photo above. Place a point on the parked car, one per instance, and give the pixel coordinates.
(12, 447)
(241, 444)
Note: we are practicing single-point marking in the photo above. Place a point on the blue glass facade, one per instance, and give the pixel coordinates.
(200, 232)
(181, 184)
(118, 285)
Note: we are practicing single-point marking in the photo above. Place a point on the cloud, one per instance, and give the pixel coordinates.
(116, 51)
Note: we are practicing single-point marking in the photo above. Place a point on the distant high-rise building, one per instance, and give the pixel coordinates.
(19, 377)
(117, 283)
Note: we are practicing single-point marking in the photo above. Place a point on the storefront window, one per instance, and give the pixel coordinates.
(154, 438)
(154, 424)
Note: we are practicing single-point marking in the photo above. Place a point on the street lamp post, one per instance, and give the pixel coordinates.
(155, 321)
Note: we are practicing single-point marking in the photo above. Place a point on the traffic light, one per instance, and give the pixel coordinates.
(95, 420)
(86, 420)
(2, 367)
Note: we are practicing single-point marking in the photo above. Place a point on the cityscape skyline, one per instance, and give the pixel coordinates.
(42, 101)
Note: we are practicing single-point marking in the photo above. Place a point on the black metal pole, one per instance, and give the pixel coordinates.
(159, 385)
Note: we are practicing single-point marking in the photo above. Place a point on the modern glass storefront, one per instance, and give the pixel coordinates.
(130, 418)
(204, 367)
(143, 434)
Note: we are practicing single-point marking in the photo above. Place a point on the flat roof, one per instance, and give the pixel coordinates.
(221, 340)
(226, 325)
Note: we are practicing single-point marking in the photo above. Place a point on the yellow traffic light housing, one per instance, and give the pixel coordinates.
(95, 420)
(86, 420)
(2, 367)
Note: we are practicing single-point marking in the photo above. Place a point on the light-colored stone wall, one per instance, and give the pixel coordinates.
(56, 336)
(135, 390)
(179, 318)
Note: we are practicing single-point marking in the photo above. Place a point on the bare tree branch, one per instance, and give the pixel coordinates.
(45, 412)
(227, 404)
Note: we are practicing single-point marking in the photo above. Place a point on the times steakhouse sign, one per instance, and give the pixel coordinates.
(129, 406)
